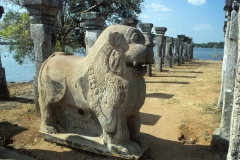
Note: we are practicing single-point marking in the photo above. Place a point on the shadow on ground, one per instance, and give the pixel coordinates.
(172, 82)
(159, 95)
(149, 119)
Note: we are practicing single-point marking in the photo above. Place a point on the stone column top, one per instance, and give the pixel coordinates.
(235, 5)
(186, 39)
(146, 27)
(130, 22)
(94, 20)
(169, 39)
(42, 11)
(160, 30)
(1, 11)
(228, 4)
(181, 37)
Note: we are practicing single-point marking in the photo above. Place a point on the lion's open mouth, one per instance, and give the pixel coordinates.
(137, 67)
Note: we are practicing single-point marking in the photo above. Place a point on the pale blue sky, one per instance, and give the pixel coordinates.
(201, 19)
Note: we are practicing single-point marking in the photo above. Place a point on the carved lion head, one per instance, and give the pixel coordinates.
(125, 50)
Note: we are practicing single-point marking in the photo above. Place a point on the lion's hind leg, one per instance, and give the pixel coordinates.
(134, 124)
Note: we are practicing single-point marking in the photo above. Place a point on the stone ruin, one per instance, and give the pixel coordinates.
(92, 103)
(4, 92)
(96, 109)
(160, 31)
(147, 32)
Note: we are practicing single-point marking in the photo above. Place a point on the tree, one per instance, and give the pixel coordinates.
(216, 54)
(15, 28)
(70, 36)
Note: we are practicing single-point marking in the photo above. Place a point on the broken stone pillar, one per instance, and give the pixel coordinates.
(94, 24)
(43, 18)
(130, 22)
(221, 135)
(181, 46)
(176, 44)
(168, 53)
(160, 31)
(146, 29)
(4, 92)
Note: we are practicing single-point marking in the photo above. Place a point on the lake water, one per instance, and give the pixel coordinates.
(25, 72)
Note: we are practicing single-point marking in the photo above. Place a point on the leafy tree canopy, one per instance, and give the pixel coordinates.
(210, 45)
(70, 36)
(15, 28)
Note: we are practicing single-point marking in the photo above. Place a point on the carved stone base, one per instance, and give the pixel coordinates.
(220, 141)
(87, 143)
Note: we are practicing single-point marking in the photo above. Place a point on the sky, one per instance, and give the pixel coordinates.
(200, 19)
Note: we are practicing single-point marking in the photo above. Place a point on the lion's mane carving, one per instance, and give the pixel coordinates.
(100, 94)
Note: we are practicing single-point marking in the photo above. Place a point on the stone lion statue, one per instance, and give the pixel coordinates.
(99, 95)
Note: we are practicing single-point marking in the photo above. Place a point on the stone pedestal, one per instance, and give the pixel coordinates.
(130, 22)
(160, 31)
(181, 38)
(168, 53)
(94, 25)
(43, 17)
(176, 43)
(4, 92)
(146, 29)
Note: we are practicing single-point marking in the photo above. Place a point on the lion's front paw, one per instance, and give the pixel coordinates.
(130, 148)
(48, 129)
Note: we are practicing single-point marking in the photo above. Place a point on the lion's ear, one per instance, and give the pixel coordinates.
(118, 41)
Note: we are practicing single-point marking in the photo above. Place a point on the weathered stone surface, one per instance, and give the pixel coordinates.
(94, 24)
(176, 44)
(93, 102)
(4, 92)
(229, 80)
(42, 11)
(168, 54)
(160, 31)
(185, 50)
(181, 38)
(130, 22)
(43, 17)
(147, 32)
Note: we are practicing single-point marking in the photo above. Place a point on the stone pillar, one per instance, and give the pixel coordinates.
(130, 22)
(191, 48)
(43, 18)
(146, 29)
(221, 135)
(176, 43)
(185, 49)
(234, 141)
(168, 53)
(94, 24)
(181, 38)
(160, 31)
(4, 92)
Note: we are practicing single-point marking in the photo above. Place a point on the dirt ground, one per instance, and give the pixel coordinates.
(180, 101)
